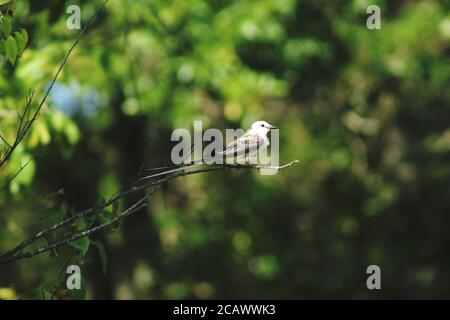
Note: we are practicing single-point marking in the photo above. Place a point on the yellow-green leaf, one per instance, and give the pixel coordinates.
(11, 49)
(21, 42)
(5, 26)
(81, 244)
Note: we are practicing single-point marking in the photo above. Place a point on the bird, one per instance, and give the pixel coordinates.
(245, 147)
(250, 143)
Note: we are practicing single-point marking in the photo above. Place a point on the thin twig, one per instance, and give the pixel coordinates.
(5, 142)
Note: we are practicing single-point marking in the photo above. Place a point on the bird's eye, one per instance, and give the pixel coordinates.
(262, 124)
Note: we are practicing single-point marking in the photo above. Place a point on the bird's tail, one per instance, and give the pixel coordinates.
(172, 169)
(175, 168)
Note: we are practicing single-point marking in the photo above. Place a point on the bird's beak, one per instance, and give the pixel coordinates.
(272, 127)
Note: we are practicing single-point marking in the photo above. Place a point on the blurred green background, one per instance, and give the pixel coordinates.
(367, 112)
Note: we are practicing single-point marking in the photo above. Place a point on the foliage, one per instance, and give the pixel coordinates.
(366, 111)
(12, 43)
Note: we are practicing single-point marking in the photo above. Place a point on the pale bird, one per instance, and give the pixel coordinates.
(250, 142)
(246, 146)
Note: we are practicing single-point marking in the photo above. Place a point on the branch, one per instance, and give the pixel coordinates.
(5, 142)
(14, 254)
(134, 208)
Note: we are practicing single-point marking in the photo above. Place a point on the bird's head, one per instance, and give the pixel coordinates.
(262, 127)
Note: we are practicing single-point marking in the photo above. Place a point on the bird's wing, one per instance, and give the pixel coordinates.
(247, 143)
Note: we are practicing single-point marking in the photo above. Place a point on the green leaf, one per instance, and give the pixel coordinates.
(2, 2)
(57, 121)
(24, 35)
(80, 224)
(72, 132)
(19, 39)
(108, 214)
(2, 46)
(11, 49)
(81, 244)
(5, 26)
(103, 256)
(21, 42)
